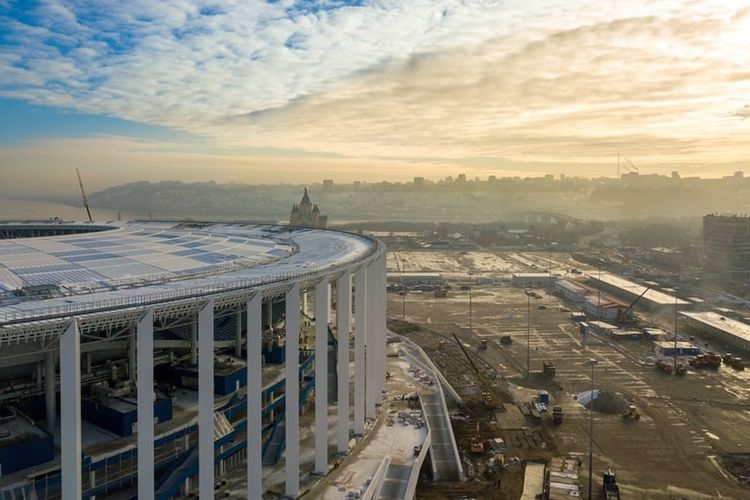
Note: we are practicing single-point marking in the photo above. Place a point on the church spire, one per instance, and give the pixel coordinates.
(306, 198)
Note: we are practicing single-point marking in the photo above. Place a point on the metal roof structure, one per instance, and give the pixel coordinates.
(721, 322)
(101, 277)
(633, 288)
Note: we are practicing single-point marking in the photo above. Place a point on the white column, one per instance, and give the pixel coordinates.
(70, 412)
(254, 395)
(50, 390)
(206, 401)
(381, 322)
(145, 369)
(322, 303)
(292, 391)
(360, 306)
(238, 333)
(372, 336)
(343, 325)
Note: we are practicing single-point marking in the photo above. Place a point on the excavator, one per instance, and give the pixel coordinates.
(477, 446)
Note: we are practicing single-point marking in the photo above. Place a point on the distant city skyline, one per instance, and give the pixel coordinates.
(298, 91)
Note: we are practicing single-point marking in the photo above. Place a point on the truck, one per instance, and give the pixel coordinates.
(557, 415)
(506, 340)
(664, 366)
(483, 345)
(548, 368)
(609, 485)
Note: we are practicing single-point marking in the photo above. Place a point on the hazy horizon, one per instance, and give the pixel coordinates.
(265, 92)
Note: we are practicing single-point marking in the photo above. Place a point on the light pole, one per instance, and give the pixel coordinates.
(471, 329)
(591, 363)
(675, 331)
(528, 335)
(599, 294)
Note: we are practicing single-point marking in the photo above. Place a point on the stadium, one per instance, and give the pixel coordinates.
(194, 327)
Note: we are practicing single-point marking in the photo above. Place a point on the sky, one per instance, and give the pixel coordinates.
(296, 91)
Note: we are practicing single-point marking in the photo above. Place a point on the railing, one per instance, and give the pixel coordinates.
(373, 489)
(411, 487)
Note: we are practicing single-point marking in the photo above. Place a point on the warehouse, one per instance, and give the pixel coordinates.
(571, 291)
(720, 327)
(622, 288)
(532, 280)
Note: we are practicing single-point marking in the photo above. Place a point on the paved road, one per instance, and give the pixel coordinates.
(442, 449)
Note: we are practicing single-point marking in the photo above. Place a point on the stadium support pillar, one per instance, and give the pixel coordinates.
(238, 333)
(50, 391)
(193, 342)
(70, 412)
(343, 325)
(381, 326)
(254, 395)
(206, 402)
(371, 342)
(145, 369)
(360, 306)
(292, 391)
(322, 303)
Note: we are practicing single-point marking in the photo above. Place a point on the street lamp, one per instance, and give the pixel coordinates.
(675, 331)
(528, 334)
(471, 329)
(591, 363)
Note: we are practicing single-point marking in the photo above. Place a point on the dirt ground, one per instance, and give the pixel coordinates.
(689, 426)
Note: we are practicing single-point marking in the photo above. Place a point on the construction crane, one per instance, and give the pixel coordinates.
(487, 398)
(85, 198)
(629, 309)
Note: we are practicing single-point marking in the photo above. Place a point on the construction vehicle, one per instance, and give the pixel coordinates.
(664, 366)
(631, 413)
(477, 446)
(85, 198)
(487, 399)
(734, 362)
(548, 368)
(712, 360)
(557, 415)
(506, 340)
(609, 485)
(626, 316)
(681, 369)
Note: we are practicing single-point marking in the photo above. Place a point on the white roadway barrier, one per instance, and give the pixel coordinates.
(373, 489)
(411, 487)
(437, 374)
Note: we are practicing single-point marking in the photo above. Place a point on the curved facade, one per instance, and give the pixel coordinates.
(145, 295)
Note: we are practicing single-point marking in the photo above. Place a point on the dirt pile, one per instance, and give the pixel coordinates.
(609, 403)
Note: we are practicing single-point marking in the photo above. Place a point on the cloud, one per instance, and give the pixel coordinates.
(576, 80)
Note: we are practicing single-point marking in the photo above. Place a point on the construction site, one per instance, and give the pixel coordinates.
(525, 368)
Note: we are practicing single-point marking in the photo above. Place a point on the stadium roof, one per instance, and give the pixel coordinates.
(134, 260)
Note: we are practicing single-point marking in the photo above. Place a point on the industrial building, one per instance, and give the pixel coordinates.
(571, 291)
(627, 290)
(149, 360)
(667, 349)
(726, 241)
(720, 327)
(531, 280)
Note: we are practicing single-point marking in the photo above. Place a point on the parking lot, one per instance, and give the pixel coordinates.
(688, 425)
